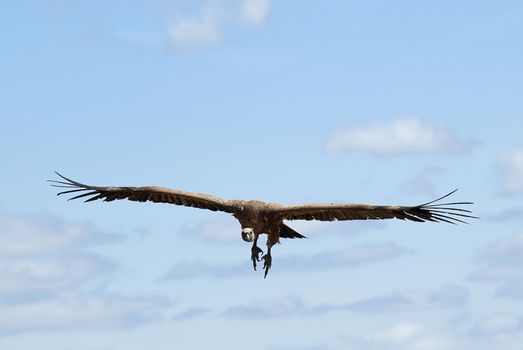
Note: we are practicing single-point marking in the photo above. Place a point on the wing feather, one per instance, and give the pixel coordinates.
(142, 194)
(430, 211)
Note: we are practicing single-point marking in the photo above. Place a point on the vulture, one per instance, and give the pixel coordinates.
(257, 217)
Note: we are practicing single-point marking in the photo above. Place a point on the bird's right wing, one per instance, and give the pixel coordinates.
(143, 194)
(431, 211)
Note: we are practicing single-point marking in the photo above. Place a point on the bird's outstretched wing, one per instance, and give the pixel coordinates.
(142, 194)
(431, 211)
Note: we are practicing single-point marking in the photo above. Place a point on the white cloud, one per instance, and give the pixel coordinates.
(512, 166)
(41, 255)
(254, 12)
(427, 343)
(512, 289)
(396, 334)
(498, 324)
(79, 312)
(202, 30)
(406, 336)
(422, 183)
(506, 250)
(191, 313)
(45, 268)
(224, 229)
(185, 25)
(305, 347)
(448, 296)
(401, 136)
(502, 262)
(22, 235)
(208, 26)
(443, 298)
(491, 332)
(275, 308)
(498, 272)
(34, 277)
(346, 258)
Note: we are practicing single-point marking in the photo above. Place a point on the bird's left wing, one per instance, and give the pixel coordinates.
(142, 194)
(431, 211)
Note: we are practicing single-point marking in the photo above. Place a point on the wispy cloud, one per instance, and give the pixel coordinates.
(45, 270)
(500, 324)
(224, 229)
(254, 12)
(398, 333)
(512, 167)
(85, 312)
(191, 313)
(398, 137)
(276, 308)
(499, 331)
(446, 297)
(350, 257)
(405, 335)
(502, 262)
(512, 289)
(306, 347)
(23, 235)
(207, 27)
(188, 270)
(510, 214)
(506, 250)
(185, 25)
(36, 277)
(422, 183)
(201, 30)
(449, 296)
(40, 255)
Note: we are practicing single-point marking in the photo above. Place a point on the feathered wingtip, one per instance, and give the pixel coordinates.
(72, 187)
(446, 212)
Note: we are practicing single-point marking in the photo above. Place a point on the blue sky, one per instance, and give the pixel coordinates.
(292, 101)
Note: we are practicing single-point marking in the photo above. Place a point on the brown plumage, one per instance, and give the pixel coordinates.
(257, 217)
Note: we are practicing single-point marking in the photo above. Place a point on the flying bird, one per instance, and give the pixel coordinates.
(257, 217)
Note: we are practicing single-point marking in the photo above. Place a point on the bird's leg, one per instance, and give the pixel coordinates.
(267, 261)
(255, 253)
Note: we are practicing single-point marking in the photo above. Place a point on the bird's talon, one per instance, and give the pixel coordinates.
(255, 256)
(267, 262)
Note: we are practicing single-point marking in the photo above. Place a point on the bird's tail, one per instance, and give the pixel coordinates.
(287, 232)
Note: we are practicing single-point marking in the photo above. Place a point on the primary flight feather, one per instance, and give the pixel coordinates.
(257, 217)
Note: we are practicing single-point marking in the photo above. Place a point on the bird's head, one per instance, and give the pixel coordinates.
(248, 234)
